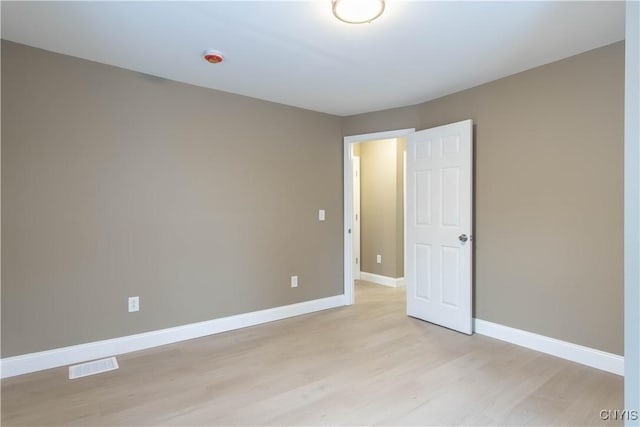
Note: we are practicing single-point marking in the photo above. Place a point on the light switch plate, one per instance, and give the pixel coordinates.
(321, 215)
(379, 259)
(134, 304)
(294, 281)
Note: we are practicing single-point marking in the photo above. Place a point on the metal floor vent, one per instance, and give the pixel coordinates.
(92, 368)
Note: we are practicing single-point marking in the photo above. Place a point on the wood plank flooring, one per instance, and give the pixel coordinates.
(368, 364)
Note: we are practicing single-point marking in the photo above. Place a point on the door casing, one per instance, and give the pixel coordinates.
(356, 219)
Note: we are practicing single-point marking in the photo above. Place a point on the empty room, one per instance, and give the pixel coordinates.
(193, 232)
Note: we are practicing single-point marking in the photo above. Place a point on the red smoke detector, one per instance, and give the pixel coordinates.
(213, 56)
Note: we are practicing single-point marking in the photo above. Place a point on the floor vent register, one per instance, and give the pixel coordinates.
(92, 368)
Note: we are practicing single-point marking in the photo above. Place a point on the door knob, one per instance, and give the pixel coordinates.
(463, 238)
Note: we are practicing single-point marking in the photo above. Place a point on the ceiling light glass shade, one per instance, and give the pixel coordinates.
(357, 11)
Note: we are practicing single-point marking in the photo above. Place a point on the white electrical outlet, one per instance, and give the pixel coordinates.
(321, 215)
(294, 281)
(379, 259)
(134, 304)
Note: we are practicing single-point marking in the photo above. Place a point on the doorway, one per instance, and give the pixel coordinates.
(378, 213)
(438, 245)
(351, 234)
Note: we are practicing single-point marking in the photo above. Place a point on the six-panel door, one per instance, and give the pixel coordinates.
(438, 248)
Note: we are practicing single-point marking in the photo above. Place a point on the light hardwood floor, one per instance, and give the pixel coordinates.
(368, 364)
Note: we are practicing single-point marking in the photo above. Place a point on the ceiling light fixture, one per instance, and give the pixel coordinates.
(357, 11)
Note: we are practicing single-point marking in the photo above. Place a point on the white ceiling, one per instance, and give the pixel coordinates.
(297, 53)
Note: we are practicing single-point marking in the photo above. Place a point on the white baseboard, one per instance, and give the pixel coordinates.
(382, 280)
(32, 362)
(576, 353)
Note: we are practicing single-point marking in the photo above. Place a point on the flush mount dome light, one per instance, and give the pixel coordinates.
(357, 11)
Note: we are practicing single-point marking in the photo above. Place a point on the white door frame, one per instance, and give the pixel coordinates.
(355, 230)
(348, 200)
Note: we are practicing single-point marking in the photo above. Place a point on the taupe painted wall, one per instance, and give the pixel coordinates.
(204, 203)
(381, 207)
(548, 194)
(401, 146)
(117, 184)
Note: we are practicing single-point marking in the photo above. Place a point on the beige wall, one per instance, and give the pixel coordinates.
(381, 207)
(117, 184)
(401, 146)
(204, 203)
(548, 194)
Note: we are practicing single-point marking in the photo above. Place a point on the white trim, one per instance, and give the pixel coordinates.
(632, 210)
(576, 353)
(348, 200)
(378, 135)
(382, 280)
(357, 230)
(32, 362)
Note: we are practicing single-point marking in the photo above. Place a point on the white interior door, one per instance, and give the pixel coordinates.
(438, 247)
(356, 218)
